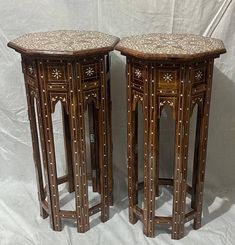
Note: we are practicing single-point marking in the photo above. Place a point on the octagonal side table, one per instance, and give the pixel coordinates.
(174, 70)
(71, 67)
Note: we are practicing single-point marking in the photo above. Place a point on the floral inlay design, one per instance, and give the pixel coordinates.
(170, 45)
(199, 75)
(168, 77)
(68, 41)
(56, 73)
(138, 73)
(89, 71)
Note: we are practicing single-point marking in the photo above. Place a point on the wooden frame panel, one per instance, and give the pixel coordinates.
(50, 80)
(145, 84)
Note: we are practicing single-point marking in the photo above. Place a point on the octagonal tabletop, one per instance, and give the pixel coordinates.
(170, 46)
(64, 42)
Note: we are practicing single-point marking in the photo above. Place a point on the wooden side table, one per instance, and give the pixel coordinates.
(71, 67)
(173, 69)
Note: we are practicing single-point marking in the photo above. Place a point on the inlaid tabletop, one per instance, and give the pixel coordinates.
(64, 42)
(157, 45)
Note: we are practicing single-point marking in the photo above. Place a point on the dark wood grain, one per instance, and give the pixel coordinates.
(77, 83)
(181, 84)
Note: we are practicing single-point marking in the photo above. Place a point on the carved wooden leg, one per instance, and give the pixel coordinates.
(48, 143)
(132, 162)
(36, 149)
(196, 154)
(68, 150)
(200, 170)
(132, 151)
(103, 145)
(135, 153)
(157, 159)
(150, 143)
(83, 185)
(79, 150)
(51, 167)
(94, 146)
(110, 145)
(181, 156)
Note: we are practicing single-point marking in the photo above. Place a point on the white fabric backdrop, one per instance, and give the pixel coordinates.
(20, 222)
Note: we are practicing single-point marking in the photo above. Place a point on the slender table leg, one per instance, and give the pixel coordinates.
(135, 154)
(103, 145)
(77, 122)
(68, 150)
(201, 164)
(181, 156)
(150, 157)
(157, 159)
(196, 154)
(132, 163)
(47, 132)
(36, 148)
(110, 144)
(132, 155)
(94, 145)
